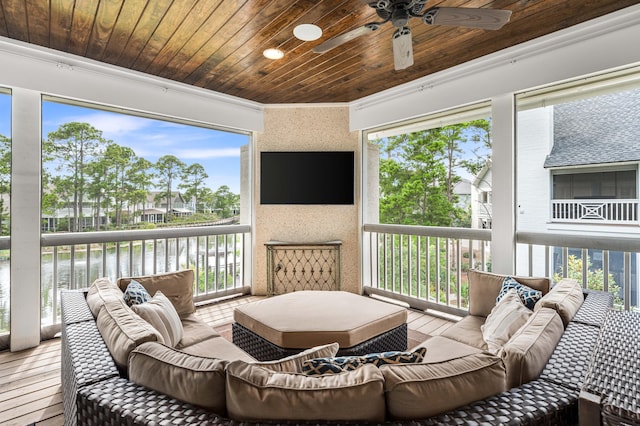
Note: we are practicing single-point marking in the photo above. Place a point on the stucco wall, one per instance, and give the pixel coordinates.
(313, 128)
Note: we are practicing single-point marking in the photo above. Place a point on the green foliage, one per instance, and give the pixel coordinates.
(5, 182)
(418, 173)
(73, 146)
(595, 277)
(89, 170)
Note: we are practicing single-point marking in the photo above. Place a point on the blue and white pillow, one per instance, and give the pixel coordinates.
(333, 365)
(528, 295)
(395, 357)
(136, 294)
(330, 365)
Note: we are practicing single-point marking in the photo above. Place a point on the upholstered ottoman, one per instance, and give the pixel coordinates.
(287, 324)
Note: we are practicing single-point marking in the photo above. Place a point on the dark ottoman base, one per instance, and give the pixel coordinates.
(263, 350)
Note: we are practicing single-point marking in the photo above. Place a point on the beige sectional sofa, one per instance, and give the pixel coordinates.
(208, 371)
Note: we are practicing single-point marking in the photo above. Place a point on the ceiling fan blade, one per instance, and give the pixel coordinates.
(402, 48)
(342, 38)
(487, 19)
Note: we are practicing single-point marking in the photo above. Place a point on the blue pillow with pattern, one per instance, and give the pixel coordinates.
(528, 295)
(136, 294)
(330, 365)
(333, 365)
(395, 357)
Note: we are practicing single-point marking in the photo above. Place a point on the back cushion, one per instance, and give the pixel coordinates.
(190, 378)
(418, 391)
(99, 292)
(177, 286)
(160, 313)
(565, 298)
(123, 330)
(484, 288)
(527, 352)
(257, 393)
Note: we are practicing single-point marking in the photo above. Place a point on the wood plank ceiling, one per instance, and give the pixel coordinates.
(218, 44)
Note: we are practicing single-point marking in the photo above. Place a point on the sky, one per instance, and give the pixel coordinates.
(217, 151)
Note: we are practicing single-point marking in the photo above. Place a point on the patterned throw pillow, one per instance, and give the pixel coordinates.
(528, 295)
(135, 294)
(333, 365)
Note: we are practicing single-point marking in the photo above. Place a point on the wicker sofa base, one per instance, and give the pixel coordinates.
(95, 394)
(264, 350)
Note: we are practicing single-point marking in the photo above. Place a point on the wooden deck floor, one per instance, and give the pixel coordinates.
(30, 390)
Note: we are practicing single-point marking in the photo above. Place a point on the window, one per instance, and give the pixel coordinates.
(109, 169)
(429, 168)
(596, 185)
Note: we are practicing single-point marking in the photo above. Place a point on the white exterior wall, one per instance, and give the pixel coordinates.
(534, 141)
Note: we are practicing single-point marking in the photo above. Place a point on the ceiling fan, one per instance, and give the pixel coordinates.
(398, 12)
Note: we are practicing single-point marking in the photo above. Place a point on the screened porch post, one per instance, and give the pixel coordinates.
(25, 219)
(503, 247)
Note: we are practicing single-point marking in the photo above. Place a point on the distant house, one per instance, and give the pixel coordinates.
(481, 210)
(154, 209)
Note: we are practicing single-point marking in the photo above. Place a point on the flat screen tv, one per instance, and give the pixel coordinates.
(307, 177)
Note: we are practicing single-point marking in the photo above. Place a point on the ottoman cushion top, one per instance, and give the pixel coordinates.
(304, 319)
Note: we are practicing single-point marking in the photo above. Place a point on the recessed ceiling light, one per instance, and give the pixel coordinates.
(307, 32)
(273, 54)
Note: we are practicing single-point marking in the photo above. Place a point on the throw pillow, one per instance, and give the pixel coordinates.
(293, 363)
(504, 320)
(528, 295)
(136, 294)
(160, 313)
(332, 365)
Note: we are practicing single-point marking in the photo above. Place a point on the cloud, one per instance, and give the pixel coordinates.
(113, 124)
(208, 153)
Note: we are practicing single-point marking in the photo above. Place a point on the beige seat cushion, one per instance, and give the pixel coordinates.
(304, 319)
(123, 330)
(417, 391)
(257, 393)
(218, 347)
(440, 349)
(99, 292)
(504, 320)
(293, 363)
(528, 351)
(468, 331)
(194, 379)
(484, 288)
(565, 298)
(177, 286)
(160, 313)
(195, 331)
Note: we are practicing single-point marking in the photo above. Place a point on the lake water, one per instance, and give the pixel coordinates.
(112, 263)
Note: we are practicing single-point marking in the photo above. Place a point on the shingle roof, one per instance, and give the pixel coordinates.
(601, 129)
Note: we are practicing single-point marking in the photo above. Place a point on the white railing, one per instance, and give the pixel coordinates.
(217, 254)
(598, 263)
(424, 266)
(619, 211)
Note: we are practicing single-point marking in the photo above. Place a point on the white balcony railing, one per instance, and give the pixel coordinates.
(424, 266)
(606, 211)
(217, 254)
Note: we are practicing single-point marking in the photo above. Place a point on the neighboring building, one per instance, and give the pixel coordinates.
(154, 209)
(586, 181)
(151, 211)
(481, 210)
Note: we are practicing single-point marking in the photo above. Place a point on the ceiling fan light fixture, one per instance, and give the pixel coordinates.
(307, 32)
(273, 54)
